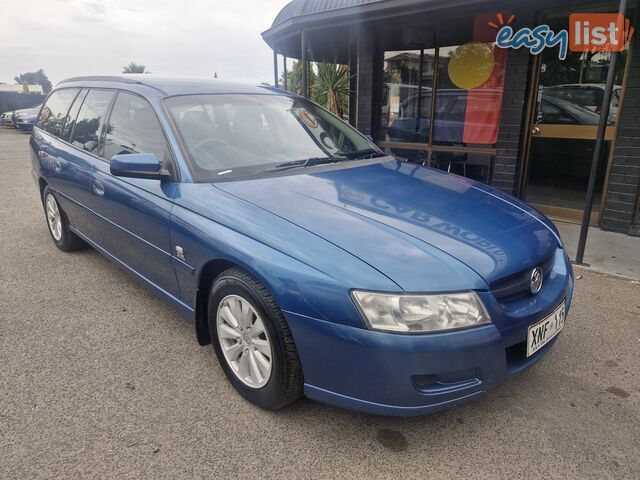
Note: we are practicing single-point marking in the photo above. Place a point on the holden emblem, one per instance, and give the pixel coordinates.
(536, 280)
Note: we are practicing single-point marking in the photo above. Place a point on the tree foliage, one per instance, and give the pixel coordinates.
(135, 68)
(332, 87)
(34, 78)
(328, 85)
(294, 79)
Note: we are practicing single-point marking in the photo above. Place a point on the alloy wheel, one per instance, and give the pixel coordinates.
(244, 341)
(53, 217)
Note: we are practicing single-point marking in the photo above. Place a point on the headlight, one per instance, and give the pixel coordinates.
(421, 313)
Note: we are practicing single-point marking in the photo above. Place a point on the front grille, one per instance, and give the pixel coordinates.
(519, 285)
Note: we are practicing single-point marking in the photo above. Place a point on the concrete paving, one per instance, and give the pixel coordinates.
(606, 252)
(100, 379)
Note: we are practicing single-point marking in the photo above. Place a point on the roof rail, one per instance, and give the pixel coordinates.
(102, 78)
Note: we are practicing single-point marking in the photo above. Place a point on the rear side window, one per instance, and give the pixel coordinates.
(72, 115)
(86, 134)
(134, 128)
(54, 113)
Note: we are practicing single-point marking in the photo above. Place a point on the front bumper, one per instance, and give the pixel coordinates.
(394, 374)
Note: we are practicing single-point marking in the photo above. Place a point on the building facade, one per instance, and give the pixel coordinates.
(7, 87)
(429, 84)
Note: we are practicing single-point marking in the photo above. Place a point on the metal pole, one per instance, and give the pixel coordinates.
(285, 73)
(420, 74)
(275, 67)
(597, 149)
(353, 83)
(305, 65)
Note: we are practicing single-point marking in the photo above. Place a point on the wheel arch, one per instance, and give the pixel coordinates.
(42, 184)
(208, 273)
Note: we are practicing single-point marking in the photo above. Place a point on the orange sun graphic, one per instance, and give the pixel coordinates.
(628, 31)
(501, 23)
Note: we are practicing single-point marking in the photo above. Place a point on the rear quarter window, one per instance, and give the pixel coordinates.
(72, 115)
(54, 112)
(86, 133)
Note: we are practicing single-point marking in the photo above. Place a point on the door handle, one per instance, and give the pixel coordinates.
(97, 187)
(535, 130)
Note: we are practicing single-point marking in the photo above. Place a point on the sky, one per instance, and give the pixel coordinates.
(195, 38)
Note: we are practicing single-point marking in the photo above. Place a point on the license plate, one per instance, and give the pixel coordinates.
(541, 333)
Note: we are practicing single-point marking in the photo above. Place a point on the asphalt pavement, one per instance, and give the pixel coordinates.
(101, 379)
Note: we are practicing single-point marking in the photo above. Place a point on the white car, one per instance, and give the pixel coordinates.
(6, 119)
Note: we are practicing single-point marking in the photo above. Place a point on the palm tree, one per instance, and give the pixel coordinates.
(134, 68)
(332, 84)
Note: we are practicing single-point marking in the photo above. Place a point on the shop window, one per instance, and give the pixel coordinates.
(458, 129)
(406, 92)
(470, 84)
(576, 84)
(471, 164)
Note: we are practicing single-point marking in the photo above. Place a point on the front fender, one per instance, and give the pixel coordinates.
(306, 274)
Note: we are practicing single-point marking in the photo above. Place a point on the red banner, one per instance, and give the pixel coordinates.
(484, 104)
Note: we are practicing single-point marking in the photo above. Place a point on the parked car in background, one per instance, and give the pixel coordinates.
(25, 118)
(413, 120)
(550, 152)
(588, 96)
(412, 124)
(6, 119)
(311, 260)
(557, 111)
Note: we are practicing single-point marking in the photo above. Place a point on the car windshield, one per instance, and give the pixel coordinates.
(244, 135)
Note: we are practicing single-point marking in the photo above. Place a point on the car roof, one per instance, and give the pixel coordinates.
(172, 85)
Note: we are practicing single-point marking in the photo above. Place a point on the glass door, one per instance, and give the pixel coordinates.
(564, 124)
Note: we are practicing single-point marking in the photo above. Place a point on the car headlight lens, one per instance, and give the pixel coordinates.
(421, 313)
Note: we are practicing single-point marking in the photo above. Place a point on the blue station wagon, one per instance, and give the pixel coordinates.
(314, 263)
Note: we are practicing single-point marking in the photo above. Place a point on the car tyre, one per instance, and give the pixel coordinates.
(284, 383)
(58, 224)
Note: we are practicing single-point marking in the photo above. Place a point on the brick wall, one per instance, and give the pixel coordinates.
(365, 61)
(624, 176)
(507, 164)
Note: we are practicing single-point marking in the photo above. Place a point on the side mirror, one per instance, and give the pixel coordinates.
(138, 165)
(370, 138)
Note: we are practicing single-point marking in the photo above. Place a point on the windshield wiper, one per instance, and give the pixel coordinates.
(306, 162)
(365, 154)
